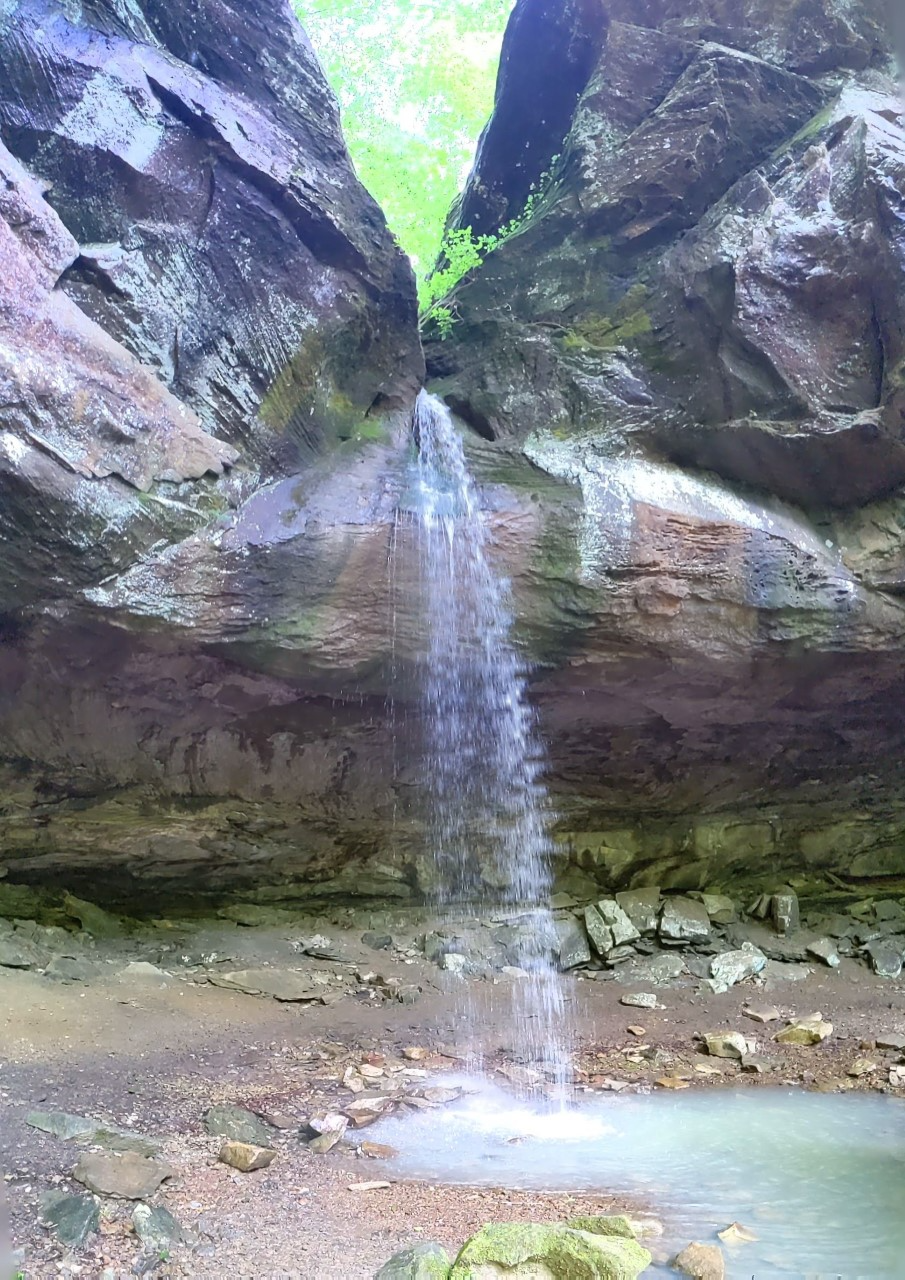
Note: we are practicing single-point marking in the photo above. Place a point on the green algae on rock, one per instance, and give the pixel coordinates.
(516, 1248)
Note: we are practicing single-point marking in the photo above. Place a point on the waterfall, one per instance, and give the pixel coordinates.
(488, 812)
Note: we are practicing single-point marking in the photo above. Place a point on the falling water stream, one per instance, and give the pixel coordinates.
(488, 813)
(817, 1182)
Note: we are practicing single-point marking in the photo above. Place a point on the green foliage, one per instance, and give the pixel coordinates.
(461, 251)
(415, 83)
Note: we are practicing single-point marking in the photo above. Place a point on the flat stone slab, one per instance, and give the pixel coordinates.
(128, 1176)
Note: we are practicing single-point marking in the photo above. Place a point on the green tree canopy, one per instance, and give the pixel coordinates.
(415, 81)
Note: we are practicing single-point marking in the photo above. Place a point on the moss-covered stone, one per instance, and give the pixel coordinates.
(421, 1262)
(516, 1249)
(610, 1224)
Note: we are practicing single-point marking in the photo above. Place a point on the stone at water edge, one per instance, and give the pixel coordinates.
(726, 1044)
(327, 1129)
(244, 1157)
(614, 1224)
(805, 1031)
(524, 1249)
(421, 1262)
(642, 906)
(71, 1217)
(684, 920)
(702, 1262)
(129, 1176)
(238, 1124)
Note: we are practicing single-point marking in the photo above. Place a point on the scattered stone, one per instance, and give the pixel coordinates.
(673, 1082)
(455, 962)
(378, 1151)
(861, 1067)
(618, 921)
(890, 1040)
(657, 970)
(610, 1224)
(888, 911)
(320, 948)
(762, 1013)
(415, 1053)
(69, 969)
(637, 1031)
(775, 971)
(735, 1233)
(285, 985)
(598, 931)
(156, 1228)
(439, 1095)
(886, 955)
(755, 1064)
(761, 906)
(72, 1218)
(12, 956)
(244, 1156)
(726, 1044)
(642, 906)
(573, 944)
(377, 941)
(279, 1120)
(364, 1111)
(785, 911)
(719, 907)
(897, 1077)
(707, 1069)
(238, 1124)
(736, 966)
(143, 971)
(370, 1072)
(128, 1176)
(684, 920)
(702, 1262)
(421, 1262)
(639, 1000)
(60, 1124)
(553, 1251)
(124, 1140)
(328, 1130)
(824, 949)
(805, 1031)
(369, 1186)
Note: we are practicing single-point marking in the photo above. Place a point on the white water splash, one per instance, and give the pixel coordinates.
(488, 809)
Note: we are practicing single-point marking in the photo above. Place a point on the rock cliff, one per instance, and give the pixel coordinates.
(681, 381)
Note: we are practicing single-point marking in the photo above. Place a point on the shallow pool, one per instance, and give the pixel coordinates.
(819, 1178)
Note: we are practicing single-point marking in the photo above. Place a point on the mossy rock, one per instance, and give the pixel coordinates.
(517, 1249)
(421, 1262)
(612, 1224)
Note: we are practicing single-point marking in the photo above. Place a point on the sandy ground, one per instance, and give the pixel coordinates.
(154, 1055)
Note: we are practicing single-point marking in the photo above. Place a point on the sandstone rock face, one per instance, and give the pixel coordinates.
(682, 392)
(195, 155)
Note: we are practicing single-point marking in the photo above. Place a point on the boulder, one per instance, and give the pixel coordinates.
(420, 1262)
(564, 1253)
(237, 1124)
(245, 1157)
(735, 966)
(702, 1261)
(684, 920)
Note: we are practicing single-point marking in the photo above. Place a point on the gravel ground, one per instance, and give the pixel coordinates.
(153, 1055)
